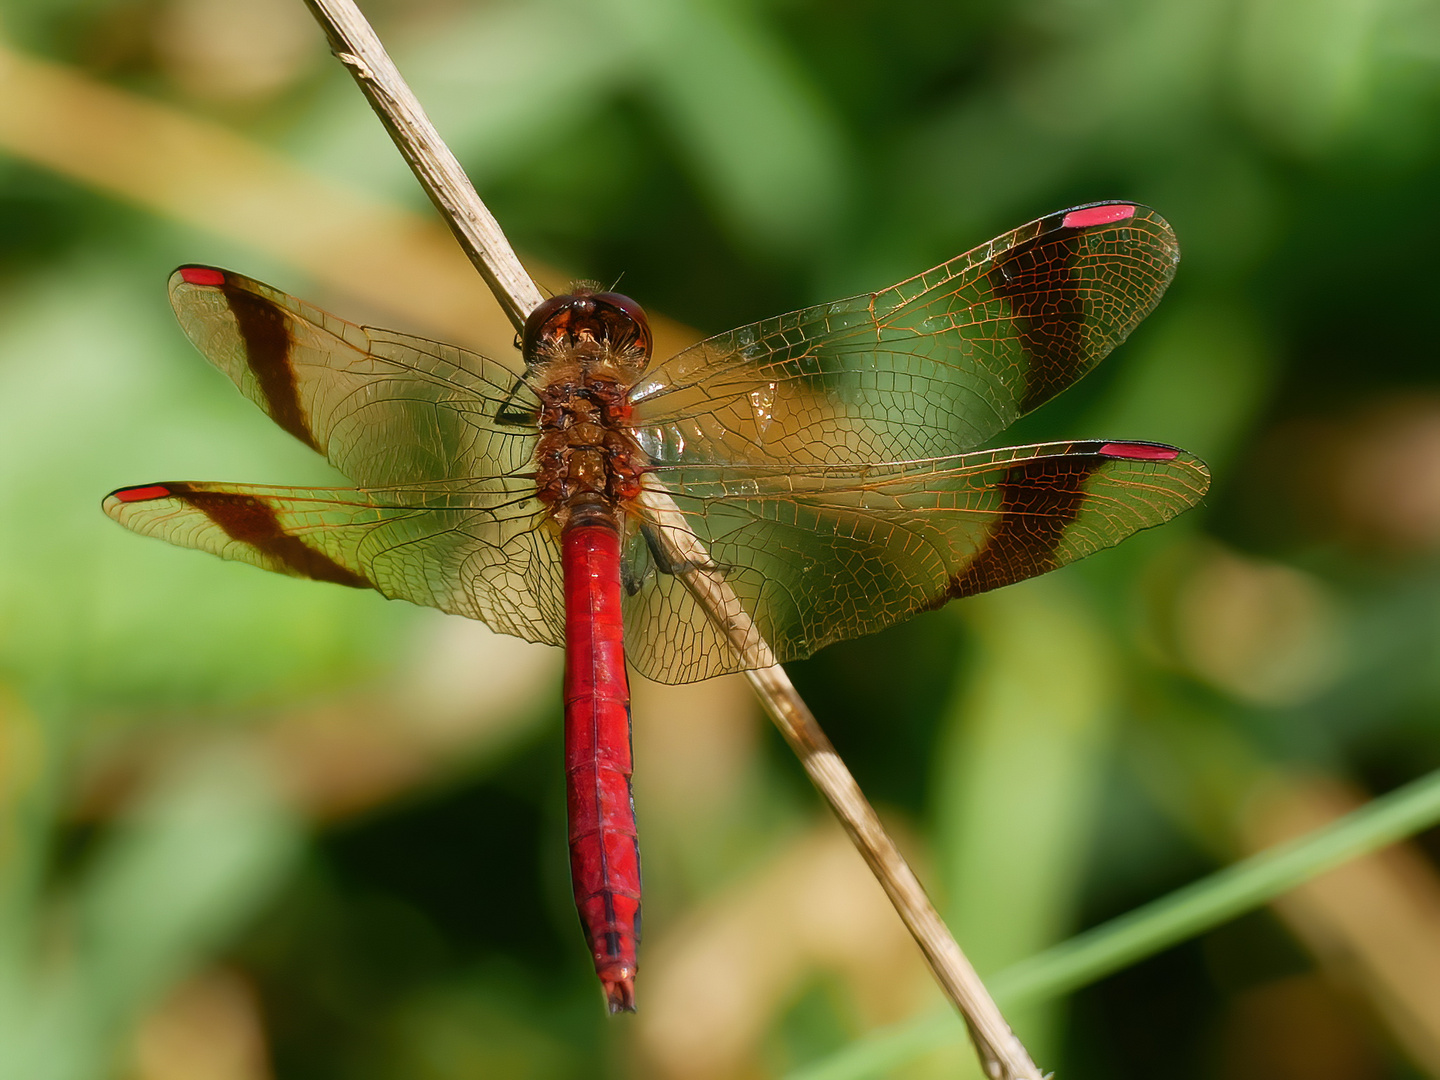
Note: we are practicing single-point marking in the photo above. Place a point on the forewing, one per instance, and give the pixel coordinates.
(482, 549)
(385, 408)
(821, 554)
(934, 365)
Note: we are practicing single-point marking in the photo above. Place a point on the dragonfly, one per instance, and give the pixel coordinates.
(824, 460)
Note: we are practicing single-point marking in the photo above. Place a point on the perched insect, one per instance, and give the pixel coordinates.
(824, 458)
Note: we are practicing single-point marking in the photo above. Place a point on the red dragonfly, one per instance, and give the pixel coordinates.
(824, 458)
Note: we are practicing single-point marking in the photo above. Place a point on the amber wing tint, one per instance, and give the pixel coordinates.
(815, 554)
(932, 366)
(819, 554)
(474, 548)
(384, 408)
(814, 454)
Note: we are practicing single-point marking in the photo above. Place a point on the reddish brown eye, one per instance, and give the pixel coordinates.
(535, 322)
(615, 318)
(631, 310)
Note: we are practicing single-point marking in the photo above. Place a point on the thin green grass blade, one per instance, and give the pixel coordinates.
(1156, 926)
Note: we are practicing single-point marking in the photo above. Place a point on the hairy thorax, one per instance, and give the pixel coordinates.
(586, 454)
(584, 352)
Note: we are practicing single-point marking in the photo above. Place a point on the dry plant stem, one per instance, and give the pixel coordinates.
(1002, 1054)
(355, 44)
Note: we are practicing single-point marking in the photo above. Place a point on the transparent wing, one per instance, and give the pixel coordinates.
(483, 549)
(932, 366)
(820, 554)
(384, 408)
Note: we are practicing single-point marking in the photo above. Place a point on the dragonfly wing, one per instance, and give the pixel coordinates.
(385, 408)
(480, 549)
(821, 554)
(934, 365)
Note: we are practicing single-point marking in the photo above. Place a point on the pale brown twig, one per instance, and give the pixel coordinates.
(355, 44)
(1002, 1054)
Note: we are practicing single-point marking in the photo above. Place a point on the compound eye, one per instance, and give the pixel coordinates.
(632, 311)
(537, 320)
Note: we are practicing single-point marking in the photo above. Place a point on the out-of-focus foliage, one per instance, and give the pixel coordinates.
(255, 827)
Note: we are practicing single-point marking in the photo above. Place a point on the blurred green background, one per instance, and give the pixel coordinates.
(252, 827)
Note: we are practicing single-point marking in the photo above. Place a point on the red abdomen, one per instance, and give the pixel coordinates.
(604, 851)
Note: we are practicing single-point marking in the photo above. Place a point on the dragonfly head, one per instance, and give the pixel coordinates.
(599, 329)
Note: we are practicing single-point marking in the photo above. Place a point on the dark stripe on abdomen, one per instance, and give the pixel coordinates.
(266, 332)
(247, 520)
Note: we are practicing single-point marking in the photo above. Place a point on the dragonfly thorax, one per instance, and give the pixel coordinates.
(584, 351)
(586, 453)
